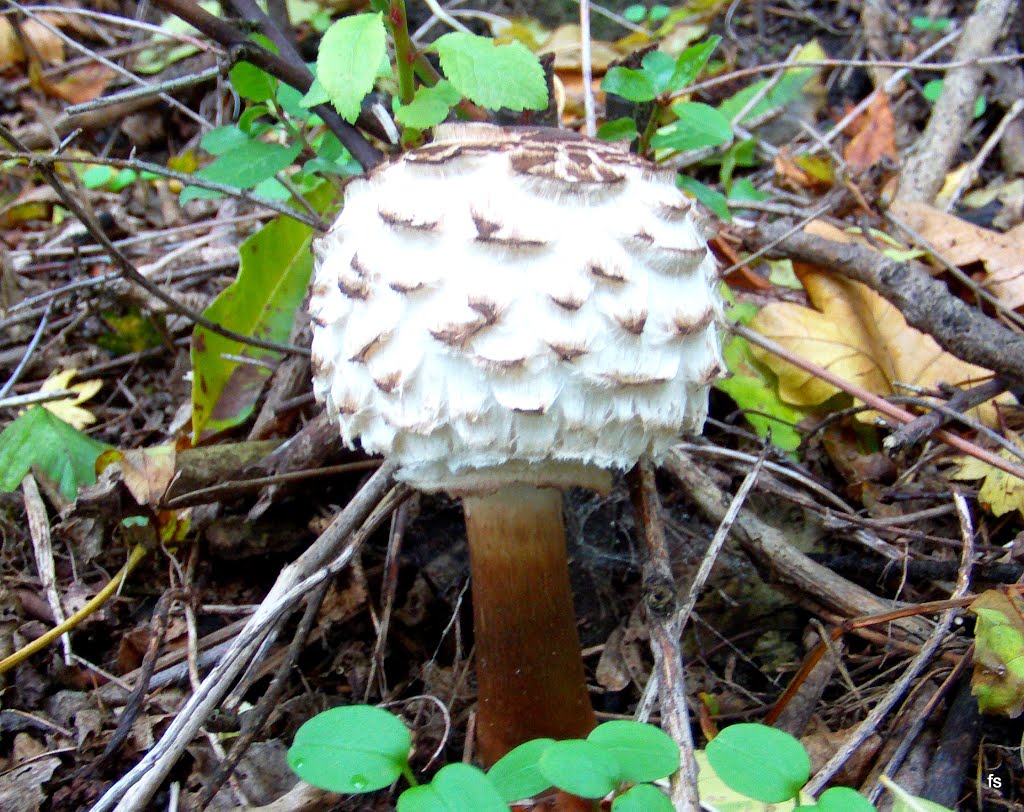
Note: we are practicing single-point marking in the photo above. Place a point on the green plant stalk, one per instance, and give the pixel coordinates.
(652, 126)
(410, 777)
(134, 558)
(405, 54)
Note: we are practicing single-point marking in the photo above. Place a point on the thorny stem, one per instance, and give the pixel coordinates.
(405, 54)
(529, 671)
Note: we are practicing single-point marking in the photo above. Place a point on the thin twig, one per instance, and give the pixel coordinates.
(29, 350)
(129, 270)
(167, 86)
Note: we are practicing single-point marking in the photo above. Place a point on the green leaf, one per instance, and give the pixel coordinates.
(347, 61)
(580, 767)
(711, 198)
(843, 799)
(357, 748)
(455, 788)
(659, 66)
(290, 100)
(925, 24)
(252, 83)
(761, 762)
(644, 752)
(642, 798)
(95, 177)
(691, 62)
(130, 331)
(744, 189)
(635, 85)
(658, 13)
(222, 140)
(490, 75)
(699, 126)
(274, 269)
(932, 90)
(61, 452)
(429, 107)
(785, 91)
(620, 129)
(516, 775)
(317, 94)
(243, 167)
(635, 13)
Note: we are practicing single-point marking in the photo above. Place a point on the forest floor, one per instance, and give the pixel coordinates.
(853, 170)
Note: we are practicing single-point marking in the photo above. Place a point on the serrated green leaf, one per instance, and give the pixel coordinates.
(691, 62)
(700, 125)
(490, 75)
(642, 798)
(347, 61)
(243, 167)
(274, 269)
(516, 775)
(621, 129)
(61, 452)
(711, 198)
(635, 85)
(455, 788)
(760, 761)
(643, 752)
(317, 94)
(429, 106)
(356, 748)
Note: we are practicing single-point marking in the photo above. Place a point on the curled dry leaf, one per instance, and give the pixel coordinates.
(876, 137)
(964, 243)
(856, 334)
(70, 410)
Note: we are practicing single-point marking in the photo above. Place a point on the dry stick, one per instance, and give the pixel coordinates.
(258, 716)
(964, 400)
(879, 712)
(768, 548)
(42, 547)
(367, 155)
(933, 154)
(974, 167)
(665, 624)
(179, 83)
(36, 158)
(128, 269)
(31, 348)
(874, 401)
(327, 555)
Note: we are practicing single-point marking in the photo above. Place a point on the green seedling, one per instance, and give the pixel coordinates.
(360, 749)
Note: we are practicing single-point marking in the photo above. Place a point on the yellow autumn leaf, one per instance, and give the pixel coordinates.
(70, 410)
(860, 337)
(1000, 492)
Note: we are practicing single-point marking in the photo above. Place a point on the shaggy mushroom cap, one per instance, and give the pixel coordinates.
(514, 305)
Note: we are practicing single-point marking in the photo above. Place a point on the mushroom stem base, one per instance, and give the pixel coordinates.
(531, 682)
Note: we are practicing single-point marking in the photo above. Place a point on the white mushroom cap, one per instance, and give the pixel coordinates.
(510, 304)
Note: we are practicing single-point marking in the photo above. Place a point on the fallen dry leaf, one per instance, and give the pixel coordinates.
(47, 45)
(565, 44)
(876, 137)
(1000, 492)
(70, 410)
(81, 86)
(860, 337)
(963, 243)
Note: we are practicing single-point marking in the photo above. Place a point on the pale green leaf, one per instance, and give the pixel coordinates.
(490, 75)
(347, 61)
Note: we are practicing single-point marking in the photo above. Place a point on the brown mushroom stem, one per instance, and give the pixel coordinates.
(530, 676)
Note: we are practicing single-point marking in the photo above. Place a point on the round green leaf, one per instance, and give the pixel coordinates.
(658, 13)
(516, 774)
(350, 53)
(490, 75)
(580, 767)
(642, 798)
(761, 762)
(644, 752)
(843, 799)
(357, 748)
(634, 13)
(456, 788)
(429, 106)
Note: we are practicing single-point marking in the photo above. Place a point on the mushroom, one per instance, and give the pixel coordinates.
(510, 312)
